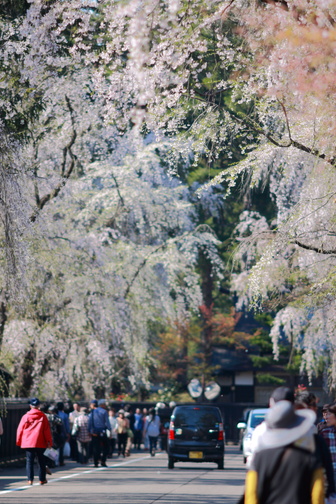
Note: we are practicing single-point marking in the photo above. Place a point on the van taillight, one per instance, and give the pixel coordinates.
(221, 433)
(171, 432)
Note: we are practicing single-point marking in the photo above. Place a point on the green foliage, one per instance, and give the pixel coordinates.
(260, 362)
(264, 318)
(12, 9)
(294, 366)
(262, 340)
(202, 173)
(268, 379)
(167, 392)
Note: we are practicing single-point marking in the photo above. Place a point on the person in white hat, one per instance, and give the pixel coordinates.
(278, 394)
(286, 470)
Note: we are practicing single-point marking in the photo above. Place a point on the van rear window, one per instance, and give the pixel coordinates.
(206, 418)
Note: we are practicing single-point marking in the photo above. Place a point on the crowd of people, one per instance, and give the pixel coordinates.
(293, 455)
(98, 432)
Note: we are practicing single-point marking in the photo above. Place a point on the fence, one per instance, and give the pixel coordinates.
(10, 454)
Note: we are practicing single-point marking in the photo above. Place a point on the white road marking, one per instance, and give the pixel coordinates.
(74, 475)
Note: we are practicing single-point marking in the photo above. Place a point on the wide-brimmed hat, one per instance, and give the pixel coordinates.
(285, 425)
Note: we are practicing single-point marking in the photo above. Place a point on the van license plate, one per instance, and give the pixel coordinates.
(195, 455)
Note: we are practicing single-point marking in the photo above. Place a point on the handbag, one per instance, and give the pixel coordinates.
(51, 453)
(66, 449)
(75, 429)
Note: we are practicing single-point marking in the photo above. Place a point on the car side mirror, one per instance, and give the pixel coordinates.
(241, 425)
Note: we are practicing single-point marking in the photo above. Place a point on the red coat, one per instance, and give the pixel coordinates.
(34, 430)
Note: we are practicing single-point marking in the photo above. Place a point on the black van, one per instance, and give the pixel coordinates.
(196, 434)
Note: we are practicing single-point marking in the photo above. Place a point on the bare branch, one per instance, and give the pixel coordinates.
(202, 227)
(319, 250)
(66, 171)
(141, 266)
(121, 207)
(292, 143)
(227, 7)
(250, 123)
(122, 201)
(287, 120)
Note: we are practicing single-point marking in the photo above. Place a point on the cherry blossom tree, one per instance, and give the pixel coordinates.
(292, 260)
(118, 253)
(270, 83)
(250, 84)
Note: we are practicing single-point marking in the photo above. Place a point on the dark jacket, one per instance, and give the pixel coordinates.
(98, 421)
(323, 455)
(284, 475)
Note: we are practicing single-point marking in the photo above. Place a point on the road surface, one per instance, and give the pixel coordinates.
(139, 479)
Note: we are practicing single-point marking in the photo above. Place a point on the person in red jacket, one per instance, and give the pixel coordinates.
(34, 435)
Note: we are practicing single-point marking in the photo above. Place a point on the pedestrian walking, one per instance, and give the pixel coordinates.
(323, 423)
(138, 428)
(286, 469)
(66, 430)
(130, 431)
(34, 436)
(303, 400)
(113, 436)
(81, 433)
(73, 441)
(122, 428)
(56, 428)
(153, 424)
(329, 433)
(98, 427)
(278, 394)
(129, 442)
(144, 432)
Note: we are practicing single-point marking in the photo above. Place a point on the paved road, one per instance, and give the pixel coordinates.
(140, 479)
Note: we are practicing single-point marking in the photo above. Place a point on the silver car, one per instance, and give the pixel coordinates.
(254, 418)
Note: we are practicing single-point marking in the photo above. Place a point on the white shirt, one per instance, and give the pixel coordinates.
(257, 434)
